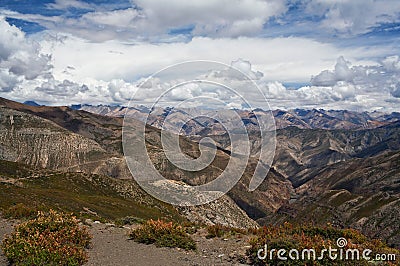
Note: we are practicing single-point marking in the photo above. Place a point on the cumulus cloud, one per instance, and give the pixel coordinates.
(345, 87)
(121, 91)
(7, 81)
(241, 70)
(342, 72)
(391, 63)
(245, 67)
(353, 16)
(61, 88)
(19, 57)
(27, 73)
(384, 76)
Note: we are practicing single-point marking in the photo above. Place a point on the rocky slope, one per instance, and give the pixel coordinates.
(358, 193)
(301, 152)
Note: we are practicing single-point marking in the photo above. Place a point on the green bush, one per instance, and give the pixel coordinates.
(163, 234)
(218, 230)
(130, 220)
(50, 238)
(19, 211)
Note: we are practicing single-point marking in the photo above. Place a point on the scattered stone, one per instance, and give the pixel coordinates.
(89, 221)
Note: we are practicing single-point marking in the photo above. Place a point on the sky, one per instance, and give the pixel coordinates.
(331, 54)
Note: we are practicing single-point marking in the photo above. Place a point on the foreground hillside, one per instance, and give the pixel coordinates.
(88, 195)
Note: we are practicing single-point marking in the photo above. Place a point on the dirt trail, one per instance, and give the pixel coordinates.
(6, 227)
(110, 246)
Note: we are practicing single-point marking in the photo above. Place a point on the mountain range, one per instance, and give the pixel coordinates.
(301, 118)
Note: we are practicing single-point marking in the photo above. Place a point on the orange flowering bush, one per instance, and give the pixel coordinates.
(289, 237)
(163, 234)
(51, 238)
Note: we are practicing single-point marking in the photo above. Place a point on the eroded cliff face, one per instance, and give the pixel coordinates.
(38, 142)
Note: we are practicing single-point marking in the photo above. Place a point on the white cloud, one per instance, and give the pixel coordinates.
(61, 88)
(20, 56)
(121, 91)
(391, 63)
(239, 67)
(117, 18)
(7, 80)
(65, 4)
(380, 77)
(27, 73)
(354, 16)
(354, 87)
(342, 72)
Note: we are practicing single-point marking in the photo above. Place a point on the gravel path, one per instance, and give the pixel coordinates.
(110, 246)
(6, 227)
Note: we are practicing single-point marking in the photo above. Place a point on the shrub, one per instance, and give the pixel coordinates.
(130, 220)
(191, 227)
(218, 230)
(163, 234)
(19, 211)
(51, 238)
(289, 237)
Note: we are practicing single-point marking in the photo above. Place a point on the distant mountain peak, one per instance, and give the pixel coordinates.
(31, 103)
